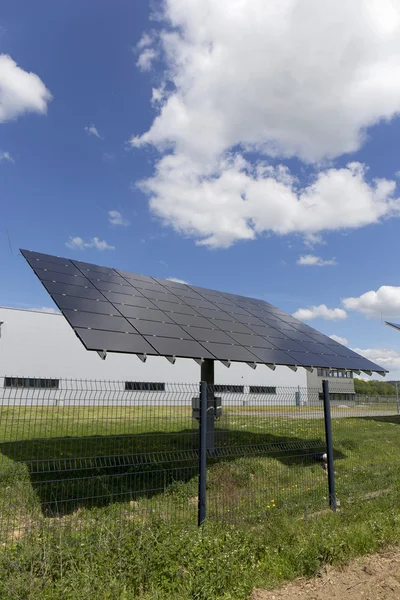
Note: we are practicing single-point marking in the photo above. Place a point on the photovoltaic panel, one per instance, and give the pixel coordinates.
(131, 299)
(117, 311)
(113, 287)
(229, 352)
(62, 278)
(90, 320)
(191, 320)
(85, 304)
(177, 347)
(68, 269)
(72, 290)
(232, 326)
(208, 335)
(113, 341)
(272, 357)
(83, 266)
(170, 330)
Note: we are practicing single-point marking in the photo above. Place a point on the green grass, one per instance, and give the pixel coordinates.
(101, 502)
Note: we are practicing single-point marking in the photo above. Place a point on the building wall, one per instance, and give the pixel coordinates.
(341, 388)
(43, 345)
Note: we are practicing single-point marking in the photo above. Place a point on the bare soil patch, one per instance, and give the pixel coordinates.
(374, 577)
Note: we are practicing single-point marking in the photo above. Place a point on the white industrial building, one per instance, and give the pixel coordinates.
(41, 358)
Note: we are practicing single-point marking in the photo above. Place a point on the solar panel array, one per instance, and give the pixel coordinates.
(118, 311)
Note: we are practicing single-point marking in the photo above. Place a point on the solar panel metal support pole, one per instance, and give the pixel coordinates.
(329, 445)
(202, 454)
(207, 375)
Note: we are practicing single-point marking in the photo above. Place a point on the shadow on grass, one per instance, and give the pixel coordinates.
(68, 473)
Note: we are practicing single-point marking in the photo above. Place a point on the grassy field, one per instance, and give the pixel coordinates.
(102, 501)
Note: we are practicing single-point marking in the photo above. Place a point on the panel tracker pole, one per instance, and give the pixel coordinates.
(202, 454)
(329, 445)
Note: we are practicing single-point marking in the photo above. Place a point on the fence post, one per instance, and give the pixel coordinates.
(397, 398)
(329, 445)
(202, 453)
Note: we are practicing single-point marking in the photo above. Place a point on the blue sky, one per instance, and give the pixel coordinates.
(241, 135)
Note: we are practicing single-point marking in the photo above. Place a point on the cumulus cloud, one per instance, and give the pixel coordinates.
(339, 340)
(239, 201)
(116, 218)
(77, 243)
(383, 302)
(146, 53)
(312, 100)
(320, 312)
(317, 261)
(312, 239)
(145, 40)
(6, 156)
(92, 130)
(176, 280)
(145, 60)
(20, 91)
(385, 357)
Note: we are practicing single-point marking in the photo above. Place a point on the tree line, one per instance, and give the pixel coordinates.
(374, 388)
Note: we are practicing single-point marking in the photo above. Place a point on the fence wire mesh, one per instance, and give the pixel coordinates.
(87, 453)
(366, 435)
(94, 446)
(268, 454)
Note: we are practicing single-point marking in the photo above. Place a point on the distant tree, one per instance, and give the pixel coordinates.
(373, 388)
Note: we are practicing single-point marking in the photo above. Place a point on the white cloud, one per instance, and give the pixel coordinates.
(157, 95)
(177, 280)
(385, 357)
(77, 243)
(312, 239)
(92, 130)
(383, 302)
(317, 261)
(320, 312)
(239, 201)
(339, 340)
(6, 156)
(45, 309)
(145, 40)
(246, 80)
(146, 53)
(20, 91)
(247, 76)
(115, 218)
(145, 60)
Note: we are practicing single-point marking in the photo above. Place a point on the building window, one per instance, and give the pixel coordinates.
(262, 389)
(31, 382)
(334, 373)
(234, 389)
(144, 386)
